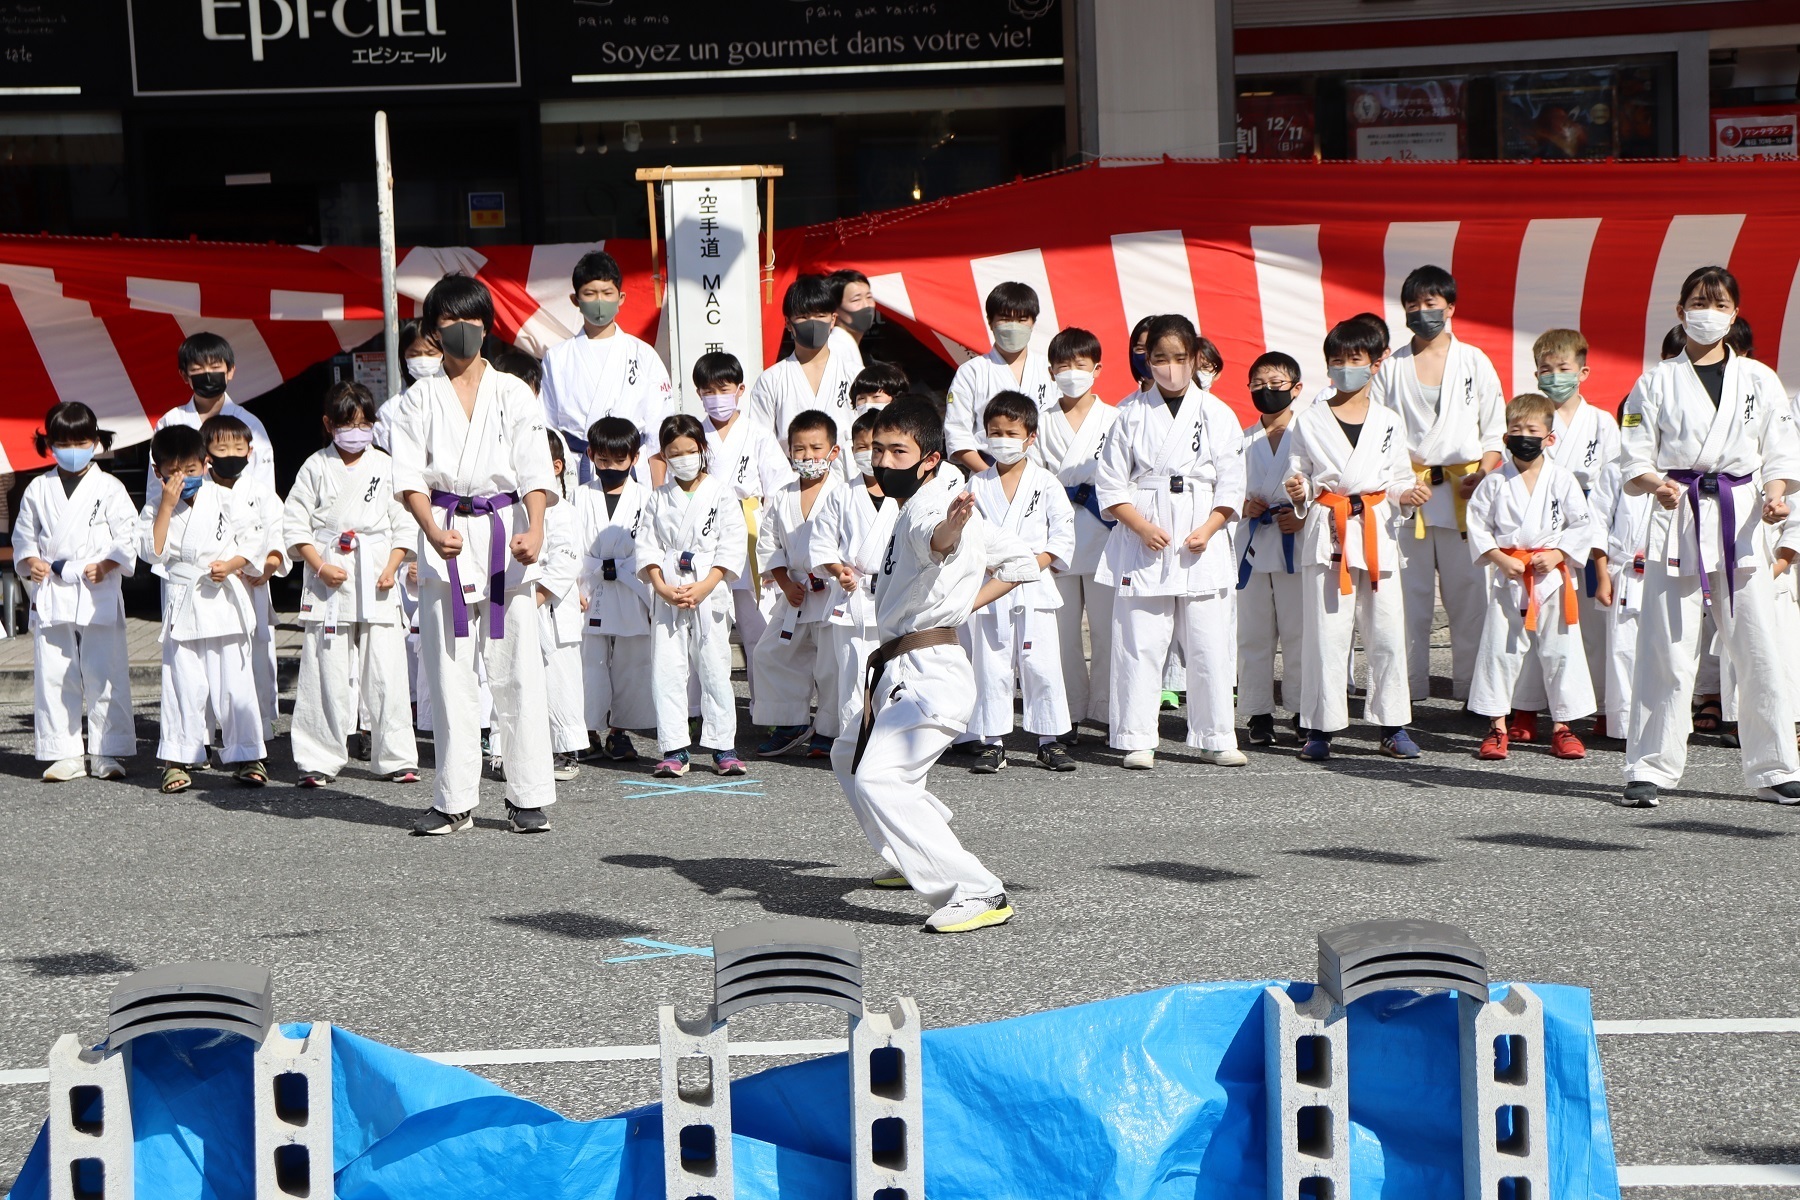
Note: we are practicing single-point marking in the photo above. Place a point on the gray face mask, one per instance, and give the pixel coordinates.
(599, 312)
(812, 333)
(1010, 337)
(461, 340)
(1426, 322)
(1350, 379)
(858, 320)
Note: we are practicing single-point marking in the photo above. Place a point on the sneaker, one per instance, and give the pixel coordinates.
(1781, 793)
(66, 769)
(1171, 699)
(1231, 756)
(1052, 757)
(564, 768)
(1071, 738)
(314, 779)
(527, 820)
(1139, 760)
(619, 747)
(251, 774)
(103, 767)
(783, 739)
(405, 775)
(1521, 726)
(961, 916)
(896, 881)
(436, 822)
(1599, 732)
(1317, 747)
(360, 748)
(1494, 746)
(1640, 793)
(1399, 744)
(1262, 729)
(673, 766)
(819, 746)
(1564, 744)
(727, 762)
(496, 767)
(989, 760)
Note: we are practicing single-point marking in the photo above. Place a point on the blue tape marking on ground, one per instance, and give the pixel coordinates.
(665, 788)
(668, 949)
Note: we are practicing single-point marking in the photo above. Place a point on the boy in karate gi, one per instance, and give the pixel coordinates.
(1271, 598)
(229, 442)
(208, 366)
(1070, 434)
(560, 622)
(192, 537)
(1352, 480)
(75, 533)
(1011, 366)
(799, 536)
(816, 375)
(930, 557)
(615, 602)
(1712, 436)
(603, 371)
(1448, 395)
(1016, 638)
(1172, 475)
(472, 467)
(1531, 522)
(342, 522)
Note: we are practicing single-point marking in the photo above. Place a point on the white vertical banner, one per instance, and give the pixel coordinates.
(714, 300)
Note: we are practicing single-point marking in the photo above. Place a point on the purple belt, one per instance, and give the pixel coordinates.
(1708, 482)
(474, 506)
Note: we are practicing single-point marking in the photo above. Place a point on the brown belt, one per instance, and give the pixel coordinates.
(883, 654)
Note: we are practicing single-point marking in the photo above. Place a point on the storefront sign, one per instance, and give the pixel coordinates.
(487, 210)
(1407, 119)
(1749, 133)
(1557, 114)
(714, 302)
(43, 49)
(1275, 127)
(201, 47)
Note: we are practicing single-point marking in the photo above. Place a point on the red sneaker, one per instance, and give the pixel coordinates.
(1564, 744)
(1493, 746)
(1599, 732)
(1522, 726)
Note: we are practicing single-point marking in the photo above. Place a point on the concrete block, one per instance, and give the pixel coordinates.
(1505, 1112)
(887, 1104)
(91, 1146)
(1306, 1078)
(230, 996)
(696, 1111)
(292, 1112)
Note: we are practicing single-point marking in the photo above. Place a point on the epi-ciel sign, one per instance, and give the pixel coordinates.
(213, 47)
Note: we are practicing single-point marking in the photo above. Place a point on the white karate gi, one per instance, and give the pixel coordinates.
(707, 526)
(1554, 515)
(1624, 521)
(262, 512)
(1467, 421)
(850, 622)
(206, 630)
(615, 646)
(560, 624)
(795, 657)
(979, 380)
(618, 376)
(782, 393)
(1670, 424)
(1325, 460)
(80, 663)
(1073, 456)
(498, 450)
(1271, 604)
(353, 657)
(753, 464)
(1173, 593)
(262, 450)
(924, 698)
(1015, 637)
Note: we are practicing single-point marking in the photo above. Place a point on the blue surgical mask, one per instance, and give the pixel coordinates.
(73, 459)
(190, 485)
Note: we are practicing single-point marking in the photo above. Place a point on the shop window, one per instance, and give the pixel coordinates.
(62, 173)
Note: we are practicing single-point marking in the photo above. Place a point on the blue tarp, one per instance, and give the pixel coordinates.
(1157, 1095)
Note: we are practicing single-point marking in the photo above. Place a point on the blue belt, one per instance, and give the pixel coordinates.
(1082, 496)
(1256, 523)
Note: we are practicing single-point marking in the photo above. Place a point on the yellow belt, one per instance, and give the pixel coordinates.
(750, 505)
(1449, 472)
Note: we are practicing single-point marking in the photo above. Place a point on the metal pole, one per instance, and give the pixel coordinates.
(390, 300)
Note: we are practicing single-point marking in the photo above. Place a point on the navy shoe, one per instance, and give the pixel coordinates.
(1399, 744)
(1317, 748)
(784, 739)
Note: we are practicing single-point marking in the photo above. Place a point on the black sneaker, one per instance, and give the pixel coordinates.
(1071, 738)
(437, 822)
(360, 748)
(989, 760)
(1052, 757)
(1262, 729)
(619, 747)
(1640, 793)
(527, 820)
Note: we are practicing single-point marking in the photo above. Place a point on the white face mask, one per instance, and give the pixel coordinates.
(865, 461)
(1006, 451)
(684, 466)
(870, 402)
(424, 366)
(1205, 379)
(1074, 384)
(1705, 325)
(811, 468)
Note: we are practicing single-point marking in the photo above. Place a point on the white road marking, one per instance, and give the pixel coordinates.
(1706, 1025)
(1712, 1175)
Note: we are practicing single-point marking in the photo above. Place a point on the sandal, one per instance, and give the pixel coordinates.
(1711, 713)
(176, 779)
(314, 779)
(251, 774)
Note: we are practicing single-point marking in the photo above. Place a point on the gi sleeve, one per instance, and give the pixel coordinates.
(771, 539)
(146, 547)
(531, 463)
(1112, 477)
(1299, 462)
(773, 469)
(27, 534)
(1638, 430)
(1059, 517)
(122, 527)
(1482, 506)
(960, 429)
(406, 435)
(1490, 405)
(1578, 526)
(1780, 441)
(759, 409)
(1004, 556)
(560, 562)
(1227, 457)
(1601, 503)
(733, 537)
(649, 542)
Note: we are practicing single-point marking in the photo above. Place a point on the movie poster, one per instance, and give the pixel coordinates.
(1407, 120)
(1557, 114)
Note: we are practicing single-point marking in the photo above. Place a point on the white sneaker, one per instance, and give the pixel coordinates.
(66, 769)
(107, 768)
(977, 912)
(1139, 760)
(566, 768)
(1232, 757)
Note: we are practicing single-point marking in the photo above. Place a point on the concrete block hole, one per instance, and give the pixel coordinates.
(1313, 1131)
(87, 1110)
(293, 1100)
(1317, 1188)
(87, 1178)
(699, 1150)
(890, 1194)
(887, 1072)
(293, 1171)
(1514, 1188)
(1312, 1061)
(694, 1080)
(887, 1143)
(1512, 1130)
(1509, 1060)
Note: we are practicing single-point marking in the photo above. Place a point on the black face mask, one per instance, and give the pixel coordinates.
(812, 333)
(208, 385)
(899, 482)
(229, 466)
(461, 340)
(1426, 322)
(859, 321)
(1270, 401)
(610, 479)
(1525, 449)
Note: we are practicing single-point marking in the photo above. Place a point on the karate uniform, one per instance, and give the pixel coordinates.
(1505, 515)
(497, 451)
(1670, 425)
(753, 465)
(353, 657)
(206, 673)
(615, 644)
(619, 376)
(560, 624)
(262, 450)
(1373, 606)
(795, 655)
(1467, 421)
(850, 622)
(923, 698)
(1271, 596)
(979, 380)
(1172, 594)
(80, 663)
(706, 527)
(1624, 521)
(262, 515)
(1073, 456)
(782, 393)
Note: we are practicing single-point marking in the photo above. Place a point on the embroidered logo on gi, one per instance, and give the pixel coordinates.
(1631, 420)
(707, 528)
(1749, 407)
(374, 486)
(631, 371)
(743, 469)
(1555, 513)
(1199, 432)
(887, 561)
(1387, 442)
(220, 534)
(1593, 452)
(1032, 507)
(96, 517)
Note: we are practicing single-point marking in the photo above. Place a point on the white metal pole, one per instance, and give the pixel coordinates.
(390, 300)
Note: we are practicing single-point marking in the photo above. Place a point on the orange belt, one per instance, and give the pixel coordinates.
(1571, 615)
(1342, 508)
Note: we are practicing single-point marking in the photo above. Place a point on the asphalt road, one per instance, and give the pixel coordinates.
(1124, 881)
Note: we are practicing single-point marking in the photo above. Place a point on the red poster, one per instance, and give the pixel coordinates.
(1766, 131)
(1271, 126)
(1407, 120)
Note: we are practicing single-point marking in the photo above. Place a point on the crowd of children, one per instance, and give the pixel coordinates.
(536, 564)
